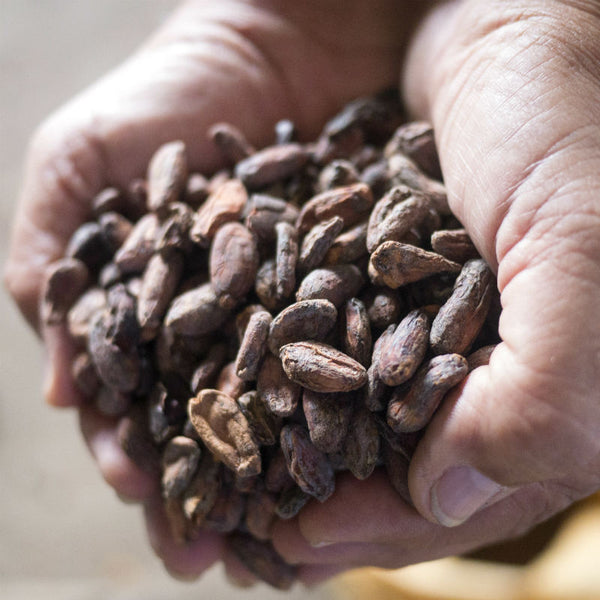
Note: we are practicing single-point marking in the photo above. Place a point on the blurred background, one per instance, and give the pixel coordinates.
(64, 535)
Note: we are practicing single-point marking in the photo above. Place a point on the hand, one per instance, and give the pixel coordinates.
(247, 63)
(511, 89)
(517, 130)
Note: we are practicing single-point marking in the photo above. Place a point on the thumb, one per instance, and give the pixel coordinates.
(507, 427)
(521, 170)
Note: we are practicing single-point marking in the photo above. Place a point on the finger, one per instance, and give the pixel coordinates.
(184, 561)
(369, 511)
(313, 575)
(100, 435)
(505, 428)
(511, 116)
(236, 572)
(412, 540)
(59, 387)
(291, 544)
(64, 169)
(289, 541)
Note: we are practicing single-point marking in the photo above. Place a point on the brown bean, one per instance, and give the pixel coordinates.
(480, 357)
(167, 175)
(405, 349)
(305, 320)
(361, 444)
(159, 282)
(64, 282)
(402, 215)
(308, 466)
(317, 242)
(196, 312)
(138, 247)
(327, 418)
(352, 203)
(454, 244)
(349, 246)
(404, 171)
(202, 491)
(397, 264)
(356, 335)
(412, 410)
(230, 141)
(460, 319)
(416, 140)
(116, 368)
(225, 204)
(233, 263)
(264, 424)
(271, 165)
(263, 212)
(225, 431)
(277, 391)
(321, 368)
(260, 514)
(89, 245)
(336, 283)
(253, 346)
(286, 258)
(180, 459)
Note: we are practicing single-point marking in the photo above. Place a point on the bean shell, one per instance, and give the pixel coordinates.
(225, 431)
(167, 175)
(305, 320)
(322, 368)
(308, 466)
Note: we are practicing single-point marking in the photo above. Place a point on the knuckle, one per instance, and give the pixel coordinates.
(40, 143)
(10, 281)
(539, 503)
(47, 140)
(540, 442)
(528, 426)
(21, 289)
(68, 155)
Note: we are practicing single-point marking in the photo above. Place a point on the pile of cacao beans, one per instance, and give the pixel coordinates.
(301, 312)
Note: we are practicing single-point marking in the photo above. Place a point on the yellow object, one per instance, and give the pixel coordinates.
(568, 568)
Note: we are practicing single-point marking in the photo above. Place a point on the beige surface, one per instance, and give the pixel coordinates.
(567, 569)
(63, 533)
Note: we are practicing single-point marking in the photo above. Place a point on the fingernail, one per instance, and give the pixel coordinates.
(459, 493)
(127, 499)
(239, 582)
(102, 446)
(321, 544)
(182, 576)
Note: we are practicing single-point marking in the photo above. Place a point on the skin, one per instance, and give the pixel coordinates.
(511, 88)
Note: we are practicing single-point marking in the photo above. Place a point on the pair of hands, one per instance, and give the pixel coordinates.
(511, 88)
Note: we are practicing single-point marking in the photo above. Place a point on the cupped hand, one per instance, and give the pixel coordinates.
(511, 89)
(247, 63)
